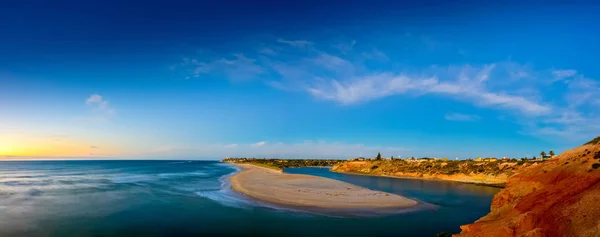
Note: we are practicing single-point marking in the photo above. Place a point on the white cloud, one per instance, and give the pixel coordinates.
(95, 98)
(461, 117)
(259, 144)
(463, 88)
(101, 109)
(562, 74)
(295, 43)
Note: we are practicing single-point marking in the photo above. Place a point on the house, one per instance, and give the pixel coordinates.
(505, 159)
(478, 159)
(490, 159)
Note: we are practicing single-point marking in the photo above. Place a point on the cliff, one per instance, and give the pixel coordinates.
(560, 197)
(484, 172)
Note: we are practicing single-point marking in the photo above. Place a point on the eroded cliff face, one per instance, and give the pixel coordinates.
(495, 173)
(560, 197)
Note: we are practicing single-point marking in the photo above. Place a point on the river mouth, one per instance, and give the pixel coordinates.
(193, 198)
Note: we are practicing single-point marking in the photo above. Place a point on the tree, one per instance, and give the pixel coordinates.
(543, 154)
(551, 153)
(378, 156)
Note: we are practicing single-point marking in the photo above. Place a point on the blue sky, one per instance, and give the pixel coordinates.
(208, 79)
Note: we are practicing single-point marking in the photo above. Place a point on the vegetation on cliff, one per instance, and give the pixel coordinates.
(282, 163)
(595, 141)
(487, 171)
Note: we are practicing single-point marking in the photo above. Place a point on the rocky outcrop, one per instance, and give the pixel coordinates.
(560, 197)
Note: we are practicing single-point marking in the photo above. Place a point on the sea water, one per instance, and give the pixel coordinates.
(194, 198)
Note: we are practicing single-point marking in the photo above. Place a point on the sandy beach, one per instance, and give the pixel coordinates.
(311, 191)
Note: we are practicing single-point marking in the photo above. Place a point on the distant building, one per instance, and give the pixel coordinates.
(505, 159)
(478, 159)
(490, 159)
(425, 159)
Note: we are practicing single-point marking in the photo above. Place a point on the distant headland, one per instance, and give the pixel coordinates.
(485, 171)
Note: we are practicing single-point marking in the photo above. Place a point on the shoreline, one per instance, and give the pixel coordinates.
(495, 185)
(313, 192)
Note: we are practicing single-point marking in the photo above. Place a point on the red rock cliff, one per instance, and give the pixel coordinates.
(560, 197)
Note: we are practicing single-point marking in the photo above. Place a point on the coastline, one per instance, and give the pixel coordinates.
(312, 192)
(495, 185)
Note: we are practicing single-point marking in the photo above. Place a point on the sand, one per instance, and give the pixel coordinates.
(311, 191)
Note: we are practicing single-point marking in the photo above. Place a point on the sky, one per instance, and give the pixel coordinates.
(297, 79)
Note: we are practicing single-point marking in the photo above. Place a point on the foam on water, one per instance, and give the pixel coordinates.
(224, 194)
(132, 179)
(183, 174)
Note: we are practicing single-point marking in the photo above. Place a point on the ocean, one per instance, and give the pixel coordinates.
(193, 198)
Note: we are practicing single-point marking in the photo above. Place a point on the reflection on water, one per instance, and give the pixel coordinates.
(193, 198)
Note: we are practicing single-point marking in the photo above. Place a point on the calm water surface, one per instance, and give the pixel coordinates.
(193, 198)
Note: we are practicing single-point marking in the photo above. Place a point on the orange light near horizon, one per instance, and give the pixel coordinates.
(21, 146)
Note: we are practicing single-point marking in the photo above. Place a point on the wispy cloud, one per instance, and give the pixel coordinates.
(295, 43)
(259, 144)
(235, 67)
(345, 48)
(462, 87)
(375, 55)
(348, 73)
(267, 51)
(462, 117)
(562, 74)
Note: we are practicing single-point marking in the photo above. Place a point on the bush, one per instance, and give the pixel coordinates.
(596, 166)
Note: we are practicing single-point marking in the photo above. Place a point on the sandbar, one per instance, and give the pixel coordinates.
(311, 191)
